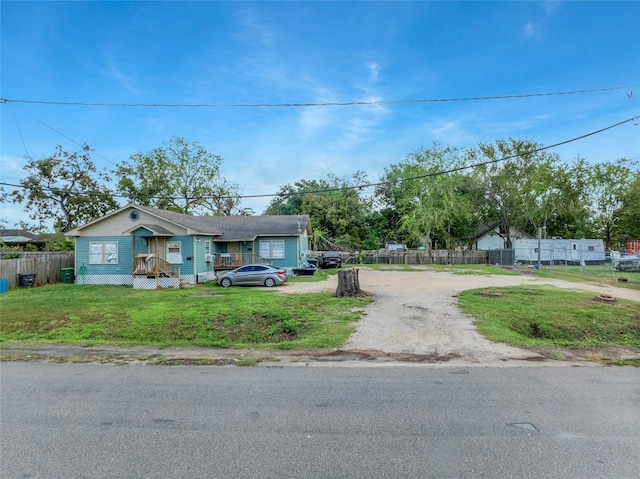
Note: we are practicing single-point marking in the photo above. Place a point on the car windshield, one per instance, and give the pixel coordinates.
(331, 255)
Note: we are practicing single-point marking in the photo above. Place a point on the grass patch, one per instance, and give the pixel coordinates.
(548, 316)
(621, 362)
(251, 361)
(472, 269)
(230, 318)
(591, 274)
(321, 275)
(390, 267)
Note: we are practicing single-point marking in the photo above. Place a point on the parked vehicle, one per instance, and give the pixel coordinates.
(330, 259)
(253, 275)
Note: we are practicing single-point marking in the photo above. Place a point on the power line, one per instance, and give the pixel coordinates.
(63, 135)
(298, 105)
(368, 185)
(21, 138)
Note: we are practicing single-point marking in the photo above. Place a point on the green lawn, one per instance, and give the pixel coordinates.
(207, 316)
(589, 274)
(548, 316)
(447, 268)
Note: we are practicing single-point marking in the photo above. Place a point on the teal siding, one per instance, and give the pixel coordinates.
(125, 255)
(304, 244)
(291, 250)
(187, 252)
(199, 260)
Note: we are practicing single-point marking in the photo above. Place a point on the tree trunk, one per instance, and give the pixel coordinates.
(348, 283)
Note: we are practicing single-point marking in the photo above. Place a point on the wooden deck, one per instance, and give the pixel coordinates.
(152, 266)
(229, 261)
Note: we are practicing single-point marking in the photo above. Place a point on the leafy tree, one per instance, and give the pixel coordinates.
(519, 191)
(609, 191)
(432, 205)
(630, 211)
(65, 188)
(178, 176)
(568, 213)
(336, 209)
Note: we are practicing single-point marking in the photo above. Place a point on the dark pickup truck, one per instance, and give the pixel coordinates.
(330, 259)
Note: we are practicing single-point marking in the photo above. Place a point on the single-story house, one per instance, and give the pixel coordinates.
(149, 248)
(21, 238)
(489, 237)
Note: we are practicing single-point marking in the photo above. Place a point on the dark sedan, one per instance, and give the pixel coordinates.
(330, 259)
(253, 275)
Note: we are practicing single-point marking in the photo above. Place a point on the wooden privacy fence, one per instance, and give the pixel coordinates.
(46, 267)
(412, 256)
(440, 256)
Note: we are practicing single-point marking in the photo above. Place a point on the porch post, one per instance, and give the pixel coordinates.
(155, 267)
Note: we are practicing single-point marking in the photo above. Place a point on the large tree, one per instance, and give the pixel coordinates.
(433, 205)
(610, 192)
(65, 188)
(630, 212)
(335, 206)
(179, 176)
(518, 184)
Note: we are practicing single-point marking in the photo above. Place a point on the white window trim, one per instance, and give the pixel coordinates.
(103, 252)
(271, 249)
(174, 257)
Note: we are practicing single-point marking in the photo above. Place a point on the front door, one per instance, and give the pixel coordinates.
(575, 252)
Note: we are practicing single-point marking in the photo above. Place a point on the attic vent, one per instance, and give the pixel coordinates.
(134, 215)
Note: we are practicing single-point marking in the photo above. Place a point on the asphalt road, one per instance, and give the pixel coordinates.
(107, 421)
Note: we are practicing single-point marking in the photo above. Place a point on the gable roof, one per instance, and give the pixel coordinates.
(225, 228)
(485, 229)
(157, 230)
(247, 228)
(19, 236)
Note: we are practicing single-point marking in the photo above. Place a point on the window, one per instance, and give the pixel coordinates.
(207, 247)
(103, 253)
(272, 249)
(174, 255)
(592, 248)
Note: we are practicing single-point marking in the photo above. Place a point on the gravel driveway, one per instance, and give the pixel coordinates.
(414, 313)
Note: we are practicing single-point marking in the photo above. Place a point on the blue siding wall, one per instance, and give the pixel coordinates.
(125, 255)
(291, 250)
(187, 251)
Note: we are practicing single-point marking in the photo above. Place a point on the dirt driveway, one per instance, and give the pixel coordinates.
(415, 314)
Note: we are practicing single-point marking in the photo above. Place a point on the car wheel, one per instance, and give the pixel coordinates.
(269, 282)
(226, 282)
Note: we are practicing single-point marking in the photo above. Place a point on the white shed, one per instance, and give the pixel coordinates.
(560, 251)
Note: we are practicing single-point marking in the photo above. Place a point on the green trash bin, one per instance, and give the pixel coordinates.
(66, 275)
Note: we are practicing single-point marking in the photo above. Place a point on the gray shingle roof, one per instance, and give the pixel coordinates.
(236, 228)
(246, 228)
(199, 224)
(19, 236)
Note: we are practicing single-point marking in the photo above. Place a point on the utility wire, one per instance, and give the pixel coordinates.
(21, 138)
(65, 136)
(298, 105)
(368, 185)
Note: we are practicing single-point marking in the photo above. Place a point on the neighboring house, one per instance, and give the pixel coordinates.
(491, 237)
(21, 238)
(560, 251)
(148, 248)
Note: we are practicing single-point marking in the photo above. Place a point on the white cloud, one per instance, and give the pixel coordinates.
(374, 71)
(550, 6)
(125, 81)
(529, 29)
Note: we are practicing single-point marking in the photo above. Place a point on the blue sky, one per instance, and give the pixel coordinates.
(314, 52)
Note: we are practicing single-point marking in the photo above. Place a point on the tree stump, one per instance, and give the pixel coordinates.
(348, 283)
